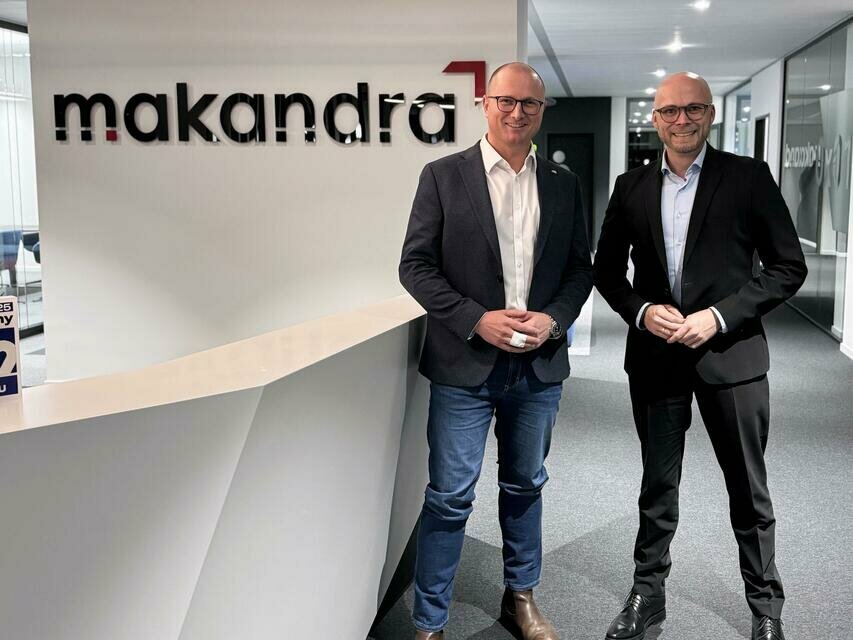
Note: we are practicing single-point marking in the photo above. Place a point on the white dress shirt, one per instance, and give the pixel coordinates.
(515, 204)
(676, 205)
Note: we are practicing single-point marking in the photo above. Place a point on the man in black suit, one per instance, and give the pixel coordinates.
(693, 223)
(496, 252)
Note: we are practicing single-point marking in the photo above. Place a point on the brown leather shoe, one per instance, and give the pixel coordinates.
(429, 635)
(518, 607)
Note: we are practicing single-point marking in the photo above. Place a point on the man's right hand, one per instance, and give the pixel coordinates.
(662, 320)
(497, 327)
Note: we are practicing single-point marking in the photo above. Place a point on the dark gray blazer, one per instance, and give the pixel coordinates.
(738, 213)
(451, 265)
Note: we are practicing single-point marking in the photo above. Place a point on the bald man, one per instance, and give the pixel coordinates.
(693, 222)
(496, 252)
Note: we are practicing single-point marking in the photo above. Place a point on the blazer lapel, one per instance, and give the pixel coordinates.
(709, 178)
(474, 178)
(652, 188)
(547, 201)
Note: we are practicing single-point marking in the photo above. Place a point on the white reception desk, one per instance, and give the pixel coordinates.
(261, 490)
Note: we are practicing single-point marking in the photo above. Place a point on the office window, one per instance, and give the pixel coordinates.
(20, 268)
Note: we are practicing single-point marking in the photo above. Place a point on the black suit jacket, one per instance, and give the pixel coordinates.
(738, 211)
(451, 265)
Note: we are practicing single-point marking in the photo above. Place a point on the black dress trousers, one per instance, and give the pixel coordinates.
(737, 419)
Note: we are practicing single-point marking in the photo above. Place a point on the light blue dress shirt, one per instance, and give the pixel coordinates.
(676, 204)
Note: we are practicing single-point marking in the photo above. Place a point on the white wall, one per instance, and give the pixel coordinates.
(767, 98)
(618, 137)
(151, 251)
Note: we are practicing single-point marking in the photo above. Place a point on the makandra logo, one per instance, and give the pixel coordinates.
(190, 113)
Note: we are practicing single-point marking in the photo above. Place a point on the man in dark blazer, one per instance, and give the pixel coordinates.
(694, 223)
(496, 252)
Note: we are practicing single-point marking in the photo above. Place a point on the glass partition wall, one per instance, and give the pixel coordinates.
(644, 146)
(20, 268)
(816, 169)
(738, 105)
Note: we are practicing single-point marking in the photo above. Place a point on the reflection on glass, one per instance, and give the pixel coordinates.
(644, 145)
(737, 123)
(743, 120)
(817, 141)
(20, 261)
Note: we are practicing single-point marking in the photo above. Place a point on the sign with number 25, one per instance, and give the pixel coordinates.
(10, 382)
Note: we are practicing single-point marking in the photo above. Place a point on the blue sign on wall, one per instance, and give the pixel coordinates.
(8, 349)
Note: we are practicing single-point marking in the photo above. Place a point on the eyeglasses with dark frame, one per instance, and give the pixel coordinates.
(530, 106)
(694, 111)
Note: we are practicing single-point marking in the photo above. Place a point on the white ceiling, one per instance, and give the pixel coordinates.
(14, 11)
(611, 48)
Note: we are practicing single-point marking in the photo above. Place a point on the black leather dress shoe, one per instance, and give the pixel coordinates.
(766, 628)
(636, 616)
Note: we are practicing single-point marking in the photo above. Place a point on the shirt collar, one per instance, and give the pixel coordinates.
(492, 157)
(664, 166)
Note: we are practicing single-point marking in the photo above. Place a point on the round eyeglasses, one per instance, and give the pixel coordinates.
(695, 111)
(530, 106)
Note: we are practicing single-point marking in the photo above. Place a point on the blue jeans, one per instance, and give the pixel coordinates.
(459, 419)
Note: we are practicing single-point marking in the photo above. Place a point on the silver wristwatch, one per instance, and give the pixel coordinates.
(555, 329)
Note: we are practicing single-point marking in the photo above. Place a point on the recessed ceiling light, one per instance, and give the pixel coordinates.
(701, 5)
(641, 103)
(676, 45)
(638, 130)
(744, 119)
(825, 87)
(747, 109)
(645, 161)
(635, 121)
(637, 114)
(649, 91)
(660, 73)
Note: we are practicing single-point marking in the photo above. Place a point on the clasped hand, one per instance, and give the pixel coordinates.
(497, 327)
(665, 321)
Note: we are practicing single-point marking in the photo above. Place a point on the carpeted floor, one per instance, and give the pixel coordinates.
(590, 506)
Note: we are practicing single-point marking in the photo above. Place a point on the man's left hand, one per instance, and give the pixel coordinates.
(696, 330)
(539, 325)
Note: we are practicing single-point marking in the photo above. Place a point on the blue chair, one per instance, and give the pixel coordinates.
(32, 243)
(10, 241)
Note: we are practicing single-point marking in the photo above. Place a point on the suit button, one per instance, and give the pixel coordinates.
(667, 292)
(500, 278)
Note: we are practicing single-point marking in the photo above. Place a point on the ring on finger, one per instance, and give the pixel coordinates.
(518, 340)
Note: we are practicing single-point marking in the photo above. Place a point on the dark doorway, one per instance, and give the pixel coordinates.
(760, 148)
(575, 151)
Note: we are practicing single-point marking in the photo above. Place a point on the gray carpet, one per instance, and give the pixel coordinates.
(33, 361)
(590, 506)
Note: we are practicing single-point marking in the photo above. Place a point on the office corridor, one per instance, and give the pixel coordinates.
(590, 514)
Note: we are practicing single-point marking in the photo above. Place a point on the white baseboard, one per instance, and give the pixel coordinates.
(847, 350)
